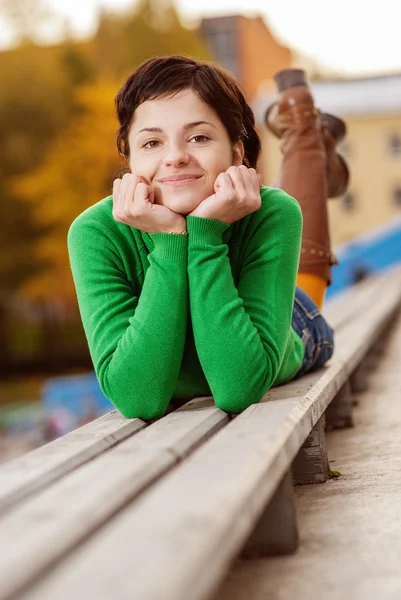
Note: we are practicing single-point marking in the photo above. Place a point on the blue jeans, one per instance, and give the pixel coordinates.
(316, 333)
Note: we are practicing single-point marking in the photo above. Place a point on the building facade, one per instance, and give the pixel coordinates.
(372, 109)
(247, 48)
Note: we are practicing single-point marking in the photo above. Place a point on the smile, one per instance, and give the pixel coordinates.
(180, 180)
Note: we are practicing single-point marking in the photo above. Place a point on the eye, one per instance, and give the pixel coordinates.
(200, 139)
(151, 144)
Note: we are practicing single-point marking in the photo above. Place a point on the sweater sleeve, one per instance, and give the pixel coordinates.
(136, 343)
(241, 333)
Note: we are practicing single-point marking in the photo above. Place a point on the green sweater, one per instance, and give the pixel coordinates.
(171, 316)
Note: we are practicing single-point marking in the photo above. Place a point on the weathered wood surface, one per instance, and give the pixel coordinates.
(26, 474)
(177, 540)
(46, 526)
(341, 309)
(311, 464)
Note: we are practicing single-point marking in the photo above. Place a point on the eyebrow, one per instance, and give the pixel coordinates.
(186, 127)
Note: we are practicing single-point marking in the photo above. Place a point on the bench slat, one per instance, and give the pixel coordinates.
(27, 474)
(341, 309)
(45, 527)
(177, 540)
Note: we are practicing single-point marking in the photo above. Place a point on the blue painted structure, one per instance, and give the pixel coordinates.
(372, 252)
(78, 396)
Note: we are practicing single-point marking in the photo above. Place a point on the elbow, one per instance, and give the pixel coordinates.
(139, 410)
(237, 403)
(133, 405)
(250, 391)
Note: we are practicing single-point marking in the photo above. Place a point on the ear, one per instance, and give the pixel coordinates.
(238, 154)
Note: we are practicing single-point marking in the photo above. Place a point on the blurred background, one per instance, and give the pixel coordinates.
(61, 64)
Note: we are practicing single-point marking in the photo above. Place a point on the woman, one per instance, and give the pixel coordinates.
(186, 276)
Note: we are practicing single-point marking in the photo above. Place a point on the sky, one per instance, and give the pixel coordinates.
(350, 36)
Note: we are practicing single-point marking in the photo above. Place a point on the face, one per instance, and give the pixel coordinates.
(179, 146)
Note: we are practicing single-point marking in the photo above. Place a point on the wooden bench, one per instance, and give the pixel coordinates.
(125, 509)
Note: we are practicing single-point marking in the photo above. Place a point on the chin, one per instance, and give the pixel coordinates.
(182, 206)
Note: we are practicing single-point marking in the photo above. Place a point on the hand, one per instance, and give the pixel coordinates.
(133, 204)
(236, 194)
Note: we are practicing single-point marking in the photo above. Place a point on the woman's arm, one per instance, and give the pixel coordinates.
(241, 334)
(136, 343)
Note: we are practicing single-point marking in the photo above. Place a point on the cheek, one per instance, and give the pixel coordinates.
(141, 166)
(219, 164)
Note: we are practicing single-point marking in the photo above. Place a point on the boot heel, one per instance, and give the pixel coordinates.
(335, 125)
(289, 78)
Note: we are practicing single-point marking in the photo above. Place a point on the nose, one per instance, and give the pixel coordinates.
(176, 154)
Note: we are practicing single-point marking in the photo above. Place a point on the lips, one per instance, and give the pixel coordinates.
(179, 179)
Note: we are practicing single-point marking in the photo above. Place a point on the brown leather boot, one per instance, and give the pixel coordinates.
(334, 131)
(296, 121)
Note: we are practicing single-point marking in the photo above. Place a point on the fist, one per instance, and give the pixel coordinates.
(236, 194)
(134, 205)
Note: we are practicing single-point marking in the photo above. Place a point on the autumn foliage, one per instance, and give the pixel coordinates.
(57, 136)
(57, 141)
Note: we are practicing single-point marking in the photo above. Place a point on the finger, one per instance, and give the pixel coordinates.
(130, 187)
(116, 188)
(120, 200)
(236, 174)
(150, 194)
(255, 180)
(116, 198)
(251, 180)
(224, 183)
(120, 205)
(141, 197)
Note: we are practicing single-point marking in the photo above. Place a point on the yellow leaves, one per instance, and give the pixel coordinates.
(58, 135)
(78, 171)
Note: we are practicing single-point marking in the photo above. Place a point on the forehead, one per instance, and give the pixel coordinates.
(173, 110)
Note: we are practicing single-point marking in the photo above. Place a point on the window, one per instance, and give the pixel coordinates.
(395, 144)
(349, 202)
(397, 196)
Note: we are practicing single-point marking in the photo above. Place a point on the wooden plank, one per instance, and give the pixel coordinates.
(178, 539)
(311, 464)
(27, 474)
(43, 528)
(31, 472)
(340, 310)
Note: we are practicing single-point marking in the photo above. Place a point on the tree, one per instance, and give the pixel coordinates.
(34, 105)
(78, 171)
(124, 41)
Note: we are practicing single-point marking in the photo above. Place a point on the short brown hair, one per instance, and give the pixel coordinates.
(219, 89)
